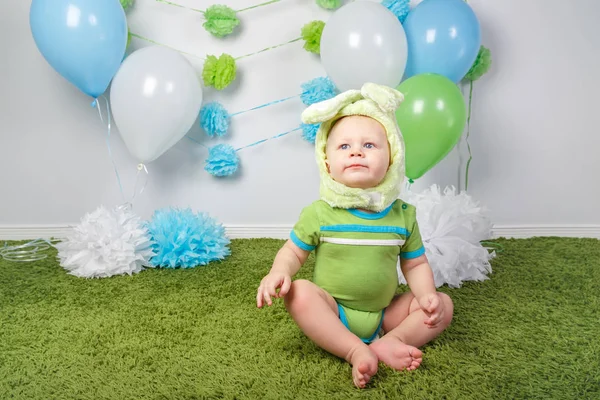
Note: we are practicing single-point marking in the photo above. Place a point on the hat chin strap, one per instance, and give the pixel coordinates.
(374, 199)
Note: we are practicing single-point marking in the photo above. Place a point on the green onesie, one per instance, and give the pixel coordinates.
(356, 257)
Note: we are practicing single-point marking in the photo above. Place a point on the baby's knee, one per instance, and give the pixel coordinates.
(448, 307)
(300, 294)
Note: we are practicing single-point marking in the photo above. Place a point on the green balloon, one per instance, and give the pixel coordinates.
(431, 119)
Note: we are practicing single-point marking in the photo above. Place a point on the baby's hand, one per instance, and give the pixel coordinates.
(269, 285)
(433, 307)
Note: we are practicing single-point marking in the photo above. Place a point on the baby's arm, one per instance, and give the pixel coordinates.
(289, 259)
(419, 277)
(287, 262)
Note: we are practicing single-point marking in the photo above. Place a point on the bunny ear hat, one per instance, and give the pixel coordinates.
(374, 101)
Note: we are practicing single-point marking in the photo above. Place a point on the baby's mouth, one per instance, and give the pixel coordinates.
(356, 166)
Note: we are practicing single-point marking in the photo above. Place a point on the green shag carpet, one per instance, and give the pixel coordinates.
(532, 331)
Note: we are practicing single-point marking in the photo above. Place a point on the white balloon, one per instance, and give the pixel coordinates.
(155, 98)
(363, 42)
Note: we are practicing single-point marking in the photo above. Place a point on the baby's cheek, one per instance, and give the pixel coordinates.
(381, 171)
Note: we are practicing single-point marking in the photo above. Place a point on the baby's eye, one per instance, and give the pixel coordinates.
(369, 145)
(344, 146)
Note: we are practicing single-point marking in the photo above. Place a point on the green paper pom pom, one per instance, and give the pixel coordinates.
(311, 33)
(126, 4)
(220, 20)
(329, 4)
(219, 72)
(481, 65)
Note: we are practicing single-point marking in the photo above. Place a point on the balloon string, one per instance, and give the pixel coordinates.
(459, 148)
(468, 133)
(141, 168)
(108, 142)
(467, 136)
(26, 252)
(497, 247)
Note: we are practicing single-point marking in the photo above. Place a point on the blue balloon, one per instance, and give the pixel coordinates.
(443, 37)
(83, 40)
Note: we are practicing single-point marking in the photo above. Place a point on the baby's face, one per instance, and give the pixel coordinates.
(358, 153)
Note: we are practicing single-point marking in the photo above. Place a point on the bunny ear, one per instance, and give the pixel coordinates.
(387, 98)
(327, 109)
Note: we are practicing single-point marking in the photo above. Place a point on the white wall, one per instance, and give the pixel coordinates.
(534, 131)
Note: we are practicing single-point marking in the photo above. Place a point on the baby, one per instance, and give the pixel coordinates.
(358, 230)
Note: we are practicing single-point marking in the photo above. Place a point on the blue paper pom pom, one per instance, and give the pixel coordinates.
(318, 89)
(222, 160)
(182, 238)
(400, 8)
(309, 132)
(214, 119)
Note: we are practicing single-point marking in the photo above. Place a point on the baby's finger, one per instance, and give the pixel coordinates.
(430, 323)
(430, 316)
(429, 308)
(426, 312)
(434, 320)
(285, 287)
(434, 302)
(439, 317)
(267, 297)
(259, 299)
(424, 304)
(272, 290)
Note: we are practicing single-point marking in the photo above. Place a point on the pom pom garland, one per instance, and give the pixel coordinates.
(182, 238)
(106, 243)
(222, 160)
(311, 33)
(219, 72)
(318, 89)
(309, 132)
(214, 119)
(220, 20)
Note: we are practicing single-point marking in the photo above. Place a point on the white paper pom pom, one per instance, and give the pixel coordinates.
(106, 243)
(452, 226)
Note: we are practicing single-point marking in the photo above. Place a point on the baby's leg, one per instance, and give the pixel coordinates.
(405, 331)
(316, 313)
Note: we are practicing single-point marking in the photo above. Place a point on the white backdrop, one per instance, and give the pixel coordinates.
(534, 131)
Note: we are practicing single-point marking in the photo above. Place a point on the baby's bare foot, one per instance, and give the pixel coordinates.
(364, 366)
(397, 354)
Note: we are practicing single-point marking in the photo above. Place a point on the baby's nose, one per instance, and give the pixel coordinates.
(356, 153)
